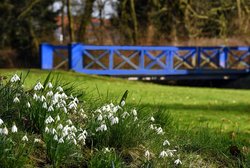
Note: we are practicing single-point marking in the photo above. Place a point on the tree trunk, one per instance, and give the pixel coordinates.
(71, 24)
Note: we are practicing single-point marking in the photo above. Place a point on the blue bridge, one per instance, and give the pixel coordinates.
(149, 61)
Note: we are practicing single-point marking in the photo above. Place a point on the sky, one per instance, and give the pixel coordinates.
(107, 12)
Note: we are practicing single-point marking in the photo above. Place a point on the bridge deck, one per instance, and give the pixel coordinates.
(165, 61)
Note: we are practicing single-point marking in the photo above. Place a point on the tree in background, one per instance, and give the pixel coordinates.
(24, 24)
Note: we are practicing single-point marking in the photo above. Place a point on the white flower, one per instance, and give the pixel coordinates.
(58, 118)
(72, 105)
(42, 98)
(74, 141)
(50, 85)
(49, 94)
(122, 103)
(159, 131)
(35, 97)
(102, 128)
(152, 119)
(53, 131)
(65, 110)
(163, 154)
(134, 112)
(60, 126)
(28, 104)
(1, 121)
(46, 129)
(61, 140)
(69, 122)
(14, 78)
(36, 140)
(60, 89)
(55, 138)
(147, 154)
(114, 120)
(25, 138)
(99, 118)
(177, 162)
(5, 131)
(38, 86)
(14, 128)
(16, 100)
(50, 108)
(45, 105)
(106, 150)
(49, 120)
(125, 114)
(166, 142)
(136, 118)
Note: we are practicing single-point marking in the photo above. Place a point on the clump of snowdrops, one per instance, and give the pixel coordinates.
(74, 133)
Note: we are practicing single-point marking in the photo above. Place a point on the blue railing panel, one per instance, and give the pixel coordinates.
(149, 60)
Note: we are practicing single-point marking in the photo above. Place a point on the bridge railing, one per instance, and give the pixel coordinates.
(147, 60)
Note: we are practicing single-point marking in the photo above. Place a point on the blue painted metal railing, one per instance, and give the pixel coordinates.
(149, 60)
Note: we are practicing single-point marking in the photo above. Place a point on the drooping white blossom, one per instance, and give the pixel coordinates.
(5, 131)
(152, 119)
(49, 94)
(1, 121)
(177, 162)
(147, 154)
(49, 85)
(38, 86)
(163, 154)
(28, 104)
(61, 140)
(36, 140)
(50, 108)
(102, 128)
(122, 103)
(49, 120)
(14, 128)
(59, 88)
(25, 138)
(134, 112)
(44, 105)
(125, 114)
(166, 142)
(14, 78)
(114, 120)
(16, 100)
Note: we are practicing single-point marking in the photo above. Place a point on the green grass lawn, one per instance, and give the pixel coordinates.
(226, 109)
(209, 124)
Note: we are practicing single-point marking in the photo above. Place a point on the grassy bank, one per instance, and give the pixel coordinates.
(208, 127)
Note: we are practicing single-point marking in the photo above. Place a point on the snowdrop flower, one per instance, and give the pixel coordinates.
(69, 122)
(1, 121)
(14, 78)
(151, 126)
(114, 120)
(166, 142)
(152, 119)
(49, 120)
(53, 131)
(61, 140)
(25, 138)
(60, 126)
(177, 162)
(163, 154)
(16, 100)
(28, 104)
(59, 88)
(36, 140)
(50, 85)
(159, 131)
(50, 108)
(147, 154)
(55, 138)
(65, 110)
(136, 118)
(38, 86)
(76, 100)
(45, 105)
(125, 114)
(35, 97)
(99, 118)
(49, 94)
(58, 118)
(5, 131)
(122, 103)
(72, 105)
(102, 128)
(74, 141)
(134, 112)
(42, 98)
(46, 129)
(14, 128)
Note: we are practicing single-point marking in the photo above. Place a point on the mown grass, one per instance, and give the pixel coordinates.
(207, 122)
